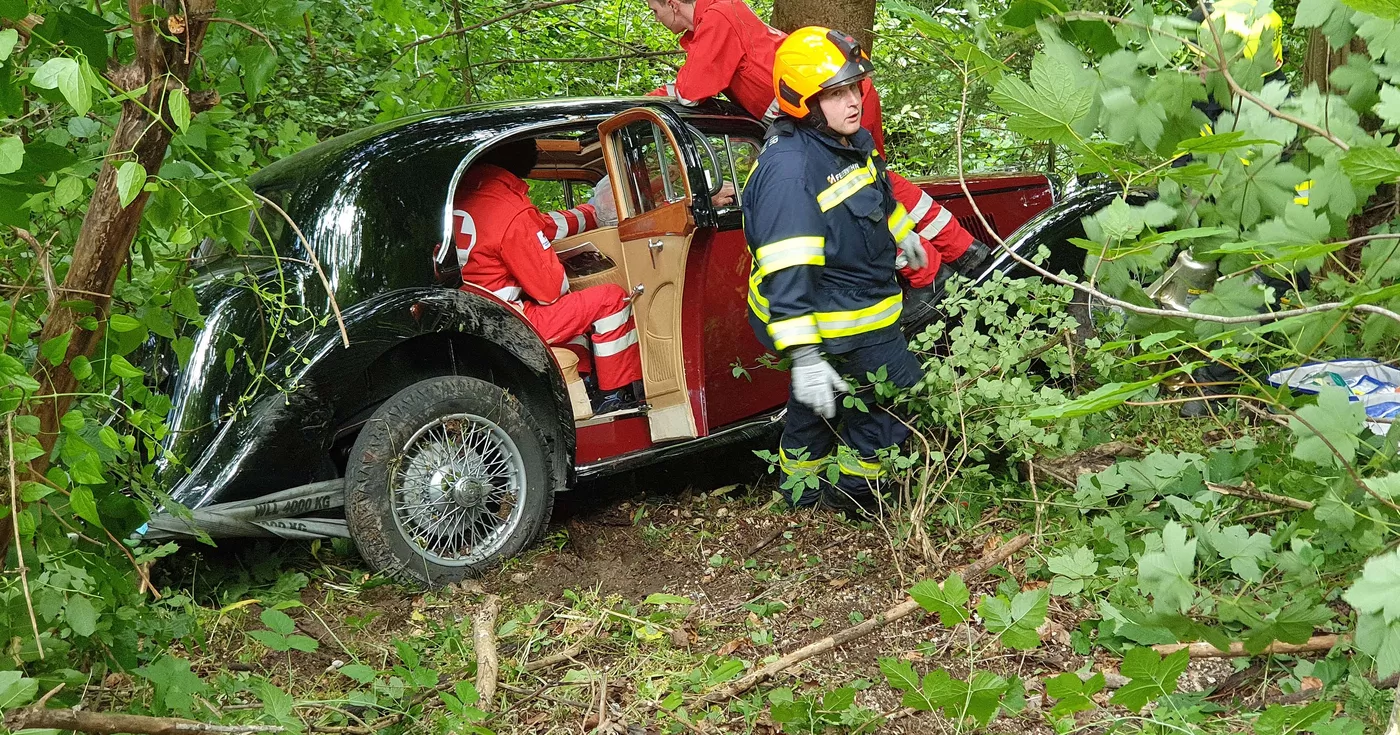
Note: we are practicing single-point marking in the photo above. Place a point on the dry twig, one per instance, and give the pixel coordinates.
(111, 723)
(488, 662)
(1316, 644)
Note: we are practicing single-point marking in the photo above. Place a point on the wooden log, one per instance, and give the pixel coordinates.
(111, 723)
(488, 661)
(1205, 650)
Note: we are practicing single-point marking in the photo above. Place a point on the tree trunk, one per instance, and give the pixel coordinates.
(163, 59)
(856, 17)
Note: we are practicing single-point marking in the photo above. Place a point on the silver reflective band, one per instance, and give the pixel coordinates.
(937, 225)
(608, 349)
(561, 225)
(613, 321)
(922, 208)
(509, 293)
(834, 327)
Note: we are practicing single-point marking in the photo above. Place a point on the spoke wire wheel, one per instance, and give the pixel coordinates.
(457, 490)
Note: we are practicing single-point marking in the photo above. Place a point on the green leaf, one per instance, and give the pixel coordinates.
(12, 372)
(948, 600)
(8, 38)
(1372, 165)
(1242, 549)
(123, 323)
(121, 367)
(278, 621)
(16, 690)
(1071, 570)
(179, 106)
(1219, 143)
(1377, 590)
(1281, 720)
(1150, 676)
(80, 615)
(174, 682)
(11, 154)
(54, 350)
(1334, 422)
(1167, 574)
(359, 672)
(81, 367)
(27, 424)
(1383, 9)
(83, 505)
(1050, 105)
(900, 674)
(302, 643)
(661, 598)
(131, 178)
(65, 75)
(1015, 621)
(1073, 693)
(1380, 640)
(184, 303)
(1098, 400)
(274, 641)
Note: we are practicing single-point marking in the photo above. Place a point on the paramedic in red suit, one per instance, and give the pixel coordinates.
(729, 50)
(503, 245)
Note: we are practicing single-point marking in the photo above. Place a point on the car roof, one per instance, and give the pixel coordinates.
(456, 131)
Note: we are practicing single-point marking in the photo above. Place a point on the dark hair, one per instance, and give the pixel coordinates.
(518, 156)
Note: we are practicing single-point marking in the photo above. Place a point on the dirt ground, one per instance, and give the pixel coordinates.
(763, 581)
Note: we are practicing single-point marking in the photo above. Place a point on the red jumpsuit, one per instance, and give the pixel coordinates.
(731, 51)
(503, 245)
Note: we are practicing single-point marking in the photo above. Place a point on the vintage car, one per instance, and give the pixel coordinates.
(427, 420)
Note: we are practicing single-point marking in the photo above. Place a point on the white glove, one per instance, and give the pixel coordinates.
(815, 383)
(604, 207)
(911, 253)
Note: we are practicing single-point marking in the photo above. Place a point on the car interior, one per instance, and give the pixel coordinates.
(645, 253)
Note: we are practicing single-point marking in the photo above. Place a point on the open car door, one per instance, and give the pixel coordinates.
(655, 223)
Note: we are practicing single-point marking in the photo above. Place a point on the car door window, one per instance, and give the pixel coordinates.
(653, 175)
(737, 157)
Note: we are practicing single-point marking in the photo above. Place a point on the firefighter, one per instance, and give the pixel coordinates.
(503, 245)
(827, 235)
(730, 50)
(1242, 19)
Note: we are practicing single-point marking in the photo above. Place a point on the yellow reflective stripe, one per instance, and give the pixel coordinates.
(790, 464)
(857, 467)
(799, 330)
(807, 250)
(756, 300)
(901, 223)
(843, 189)
(1303, 190)
(1206, 130)
(831, 324)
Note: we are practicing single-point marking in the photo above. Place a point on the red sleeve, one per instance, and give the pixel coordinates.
(711, 58)
(934, 224)
(531, 261)
(569, 222)
(870, 116)
(659, 92)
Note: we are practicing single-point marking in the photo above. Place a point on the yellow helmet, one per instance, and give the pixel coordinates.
(813, 59)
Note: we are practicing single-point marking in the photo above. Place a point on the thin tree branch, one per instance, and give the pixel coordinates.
(14, 525)
(257, 32)
(583, 59)
(465, 29)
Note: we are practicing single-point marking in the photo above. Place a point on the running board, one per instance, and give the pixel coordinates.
(267, 516)
(750, 429)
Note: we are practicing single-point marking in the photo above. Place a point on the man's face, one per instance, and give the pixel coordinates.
(665, 13)
(842, 107)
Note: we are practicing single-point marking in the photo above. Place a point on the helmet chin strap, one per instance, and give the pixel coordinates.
(816, 120)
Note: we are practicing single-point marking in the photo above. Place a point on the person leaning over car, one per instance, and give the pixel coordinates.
(827, 236)
(503, 245)
(730, 50)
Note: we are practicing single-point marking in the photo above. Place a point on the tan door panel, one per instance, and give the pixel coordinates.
(653, 199)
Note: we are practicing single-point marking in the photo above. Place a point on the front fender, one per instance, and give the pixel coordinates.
(283, 439)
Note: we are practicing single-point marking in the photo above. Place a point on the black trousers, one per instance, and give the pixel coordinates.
(809, 439)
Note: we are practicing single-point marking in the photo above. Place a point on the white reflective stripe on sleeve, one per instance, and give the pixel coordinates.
(613, 347)
(509, 293)
(773, 110)
(937, 225)
(561, 225)
(564, 287)
(613, 321)
(579, 340)
(921, 209)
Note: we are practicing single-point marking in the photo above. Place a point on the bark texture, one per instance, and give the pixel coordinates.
(856, 17)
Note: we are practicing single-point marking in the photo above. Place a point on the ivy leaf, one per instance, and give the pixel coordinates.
(1015, 620)
(278, 621)
(83, 505)
(1336, 420)
(55, 349)
(1167, 574)
(1150, 675)
(80, 615)
(65, 75)
(11, 153)
(949, 600)
(1049, 106)
(123, 368)
(131, 177)
(179, 106)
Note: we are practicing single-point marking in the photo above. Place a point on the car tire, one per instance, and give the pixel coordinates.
(447, 479)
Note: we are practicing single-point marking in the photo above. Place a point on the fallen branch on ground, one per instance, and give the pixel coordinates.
(109, 723)
(876, 622)
(1315, 644)
(488, 662)
(554, 659)
(1248, 491)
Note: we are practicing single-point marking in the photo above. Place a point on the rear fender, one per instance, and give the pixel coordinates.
(284, 439)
